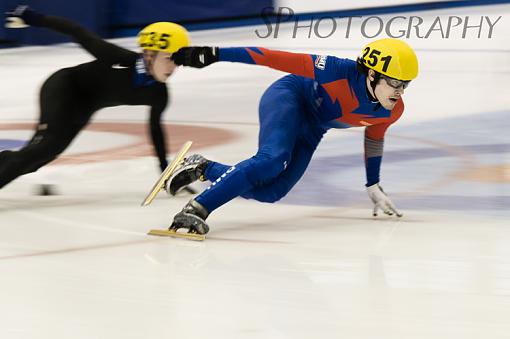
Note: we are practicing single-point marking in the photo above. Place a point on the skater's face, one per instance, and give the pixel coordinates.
(388, 91)
(161, 65)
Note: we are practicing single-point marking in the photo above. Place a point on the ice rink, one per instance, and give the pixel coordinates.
(79, 264)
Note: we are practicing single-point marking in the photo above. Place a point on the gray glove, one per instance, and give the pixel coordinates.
(381, 201)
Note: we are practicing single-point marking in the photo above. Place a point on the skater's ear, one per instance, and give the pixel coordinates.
(371, 75)
(149, 55)
(148, 58)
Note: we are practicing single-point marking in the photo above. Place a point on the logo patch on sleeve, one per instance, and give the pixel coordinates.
(320, 62)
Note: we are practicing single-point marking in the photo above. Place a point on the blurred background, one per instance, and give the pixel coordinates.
(119, 18)
(116, 18)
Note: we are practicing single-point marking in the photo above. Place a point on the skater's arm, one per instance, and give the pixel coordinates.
(93, 44)
(23, 16)
(373, 159)
(157, 132)
(295, 63)
(320, 67)
(374, 144)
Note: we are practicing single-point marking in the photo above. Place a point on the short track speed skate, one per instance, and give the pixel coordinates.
(174, 234)
(191, 218)
(167, 173)
(192, 233)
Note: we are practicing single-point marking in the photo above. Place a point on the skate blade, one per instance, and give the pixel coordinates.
(174, 234)
(167, 173)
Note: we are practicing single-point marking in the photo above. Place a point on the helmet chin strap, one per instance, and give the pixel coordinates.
(373, 83)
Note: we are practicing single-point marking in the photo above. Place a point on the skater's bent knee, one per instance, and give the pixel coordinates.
(264, 167)
(268, 196)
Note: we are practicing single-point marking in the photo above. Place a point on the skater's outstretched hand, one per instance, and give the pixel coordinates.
(381, 201)
(197, 57)
(22, 16)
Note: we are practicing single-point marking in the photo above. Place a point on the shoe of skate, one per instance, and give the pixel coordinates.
(192, 217)
(191, 170)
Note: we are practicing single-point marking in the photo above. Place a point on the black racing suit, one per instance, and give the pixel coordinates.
(70, 96)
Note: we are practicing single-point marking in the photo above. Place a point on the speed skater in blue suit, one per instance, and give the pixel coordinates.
(321, 92)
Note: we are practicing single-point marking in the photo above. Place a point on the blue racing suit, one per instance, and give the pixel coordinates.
(322, 92)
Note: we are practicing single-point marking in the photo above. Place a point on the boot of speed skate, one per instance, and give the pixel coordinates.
(191, 170)
(192, 219)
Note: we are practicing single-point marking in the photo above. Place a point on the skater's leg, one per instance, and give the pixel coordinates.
(193, 168)
(54, 132)
(281, 185)
(42, 149)
(214, 170)
(281, 114)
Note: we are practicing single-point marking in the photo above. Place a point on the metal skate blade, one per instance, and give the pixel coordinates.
(167, 173)
(174, 234)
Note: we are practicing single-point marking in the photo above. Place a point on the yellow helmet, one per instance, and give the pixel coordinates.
(163, 36)
(391, 57)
